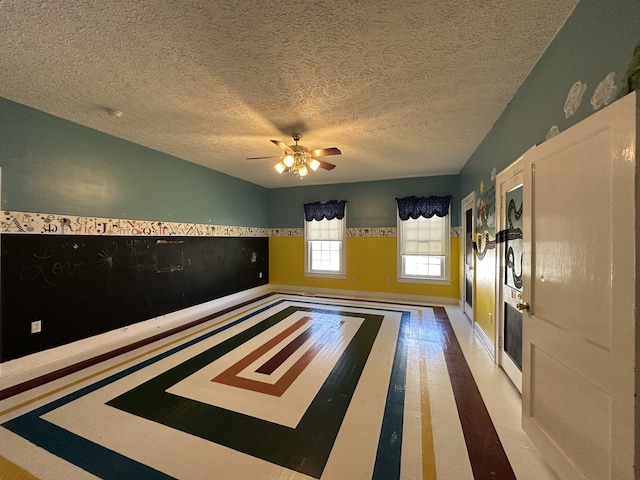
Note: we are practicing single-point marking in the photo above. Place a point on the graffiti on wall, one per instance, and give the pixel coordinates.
(513, 241)
(486, 219)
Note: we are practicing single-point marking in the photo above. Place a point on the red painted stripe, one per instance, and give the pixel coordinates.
(486, 454)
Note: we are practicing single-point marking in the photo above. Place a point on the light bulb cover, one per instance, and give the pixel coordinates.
(288, 161)
(280, 167)
(314, 164)
(302, 171)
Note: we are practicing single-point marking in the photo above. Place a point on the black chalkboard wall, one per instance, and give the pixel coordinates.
(79, 286)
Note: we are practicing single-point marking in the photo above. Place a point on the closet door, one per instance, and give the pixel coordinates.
(579, 296)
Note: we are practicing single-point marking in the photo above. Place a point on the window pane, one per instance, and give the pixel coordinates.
(424, 236)
(325, 255)
(423, 265)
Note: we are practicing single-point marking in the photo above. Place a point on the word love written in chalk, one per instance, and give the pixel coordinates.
(47, 269)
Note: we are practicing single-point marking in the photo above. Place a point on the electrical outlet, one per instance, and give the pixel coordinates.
(387, 279)
(491, 319)
(36, 326)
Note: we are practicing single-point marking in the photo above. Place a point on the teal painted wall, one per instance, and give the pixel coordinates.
(50, 165)
(598, 38)
(370, 204)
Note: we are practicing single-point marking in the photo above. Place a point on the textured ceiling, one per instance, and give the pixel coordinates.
(404, 88)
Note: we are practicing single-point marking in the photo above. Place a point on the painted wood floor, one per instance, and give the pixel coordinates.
(287, 387)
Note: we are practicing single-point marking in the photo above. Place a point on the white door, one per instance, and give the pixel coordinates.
(579, 282)
(509, 275)
(469, 254)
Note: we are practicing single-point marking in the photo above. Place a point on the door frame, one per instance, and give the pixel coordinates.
(469, 200)
(509, 172)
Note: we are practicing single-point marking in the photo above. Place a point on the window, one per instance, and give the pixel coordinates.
(423, 244)
(324, 241)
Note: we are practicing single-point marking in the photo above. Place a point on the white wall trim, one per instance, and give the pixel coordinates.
(362, 295)
(484, 340)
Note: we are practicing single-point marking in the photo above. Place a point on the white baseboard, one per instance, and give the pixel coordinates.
(484, 340)
(361, 295)
(40, 363)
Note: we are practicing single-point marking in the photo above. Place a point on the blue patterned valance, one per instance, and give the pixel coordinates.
(321, 210)
(427, 207)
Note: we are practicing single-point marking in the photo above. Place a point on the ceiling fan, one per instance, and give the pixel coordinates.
(298, 158)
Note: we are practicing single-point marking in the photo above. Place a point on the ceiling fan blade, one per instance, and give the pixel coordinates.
(282, 145)
(260, 158)
(326, 165)
(322, 152)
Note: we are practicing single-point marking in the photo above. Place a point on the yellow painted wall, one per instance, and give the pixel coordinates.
(484, 308)
(370, 262)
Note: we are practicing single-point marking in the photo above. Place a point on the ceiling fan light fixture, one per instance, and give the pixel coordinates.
(298, 159)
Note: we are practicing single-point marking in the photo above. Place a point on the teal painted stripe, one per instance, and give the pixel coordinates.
(89, 456)
(388, 457)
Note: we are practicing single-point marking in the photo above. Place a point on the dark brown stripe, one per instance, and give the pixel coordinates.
(279, 358)
(49, 377)
(486, 454)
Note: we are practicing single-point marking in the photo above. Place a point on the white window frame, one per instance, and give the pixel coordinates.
(310, 272)
(445, 279)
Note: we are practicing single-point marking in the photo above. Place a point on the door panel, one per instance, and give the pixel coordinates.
(579, 282)
(513, 334)
(561, 410)
(574, 258)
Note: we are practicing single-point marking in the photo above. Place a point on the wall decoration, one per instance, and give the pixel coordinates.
(485, 220)
(513, 247)
(631, 79)
(41, 223)
(553, 131)
(52, 224)
(376, 232)
(574, 98)
(605, 92)
(286, 232)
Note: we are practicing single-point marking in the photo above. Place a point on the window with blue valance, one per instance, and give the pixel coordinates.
(324, 210)
(427, 207)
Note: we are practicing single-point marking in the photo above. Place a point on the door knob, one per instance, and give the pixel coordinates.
(522, 306)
